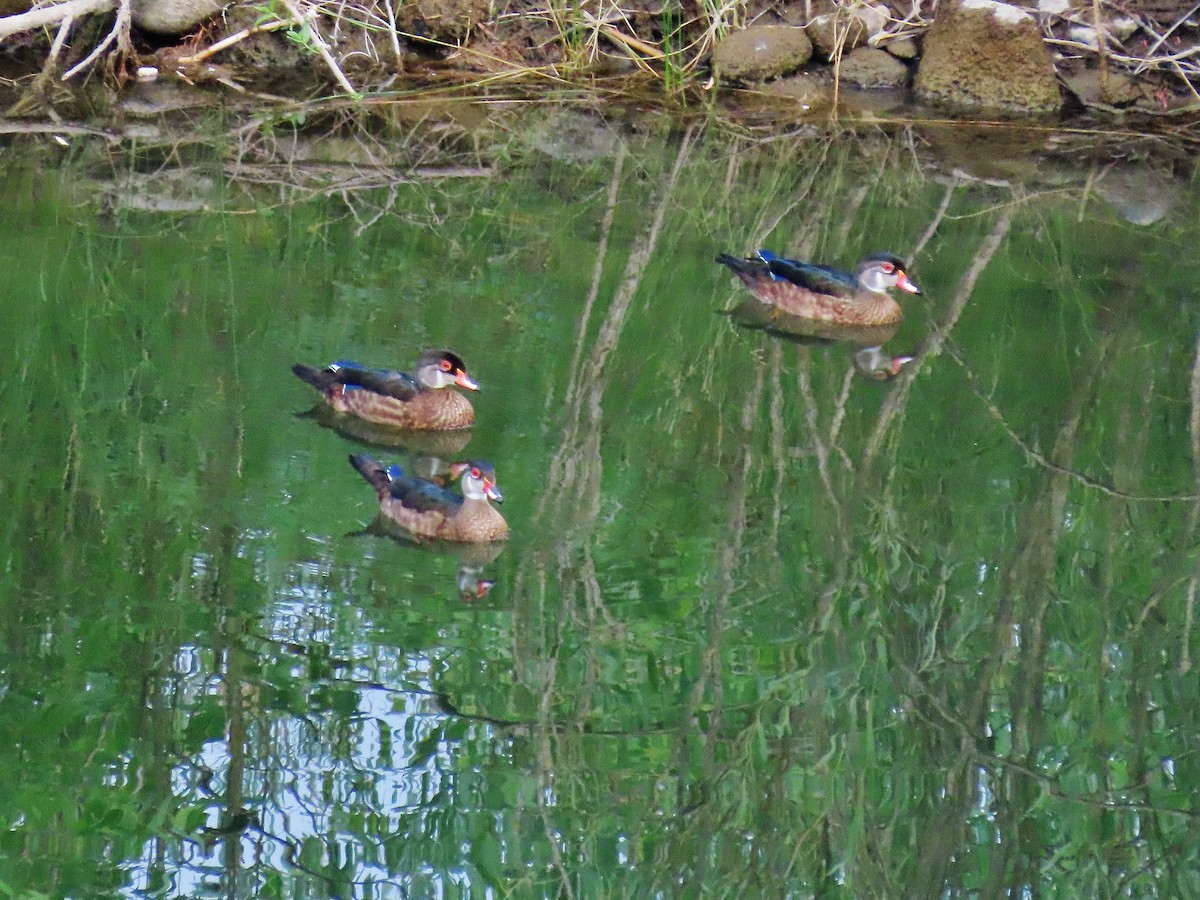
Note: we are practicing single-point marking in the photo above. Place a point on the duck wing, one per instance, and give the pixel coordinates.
(388, 382)
(424, 496)
(813, 277)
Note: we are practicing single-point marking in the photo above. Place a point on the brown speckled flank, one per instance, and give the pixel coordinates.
(871, 309)
(441, 410)
(476, 521)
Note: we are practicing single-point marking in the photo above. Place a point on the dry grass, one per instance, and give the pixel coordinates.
(362, 46)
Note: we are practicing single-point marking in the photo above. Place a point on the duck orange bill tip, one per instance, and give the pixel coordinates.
(463, 380)
(904, 284)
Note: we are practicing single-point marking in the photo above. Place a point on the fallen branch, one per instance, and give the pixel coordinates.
(119, 33)
(236, 38)
(51, 15)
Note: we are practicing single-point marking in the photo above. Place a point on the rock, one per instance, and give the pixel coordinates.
(1139, 195)
(984, 55)
(572, 136)
(870, 103)
(868, 68)
(761, 52)
(1118, 90)
(858, 25)
(1053, 7)
(905, 48)
(1084, 34)
(1005, 155)
(1123, 28)
(173, 17)
(809, 91)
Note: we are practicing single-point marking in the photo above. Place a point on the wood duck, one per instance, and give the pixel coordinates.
(430, 511)
(398, 399)
(874, 363)
(824, 293)
(471, 581)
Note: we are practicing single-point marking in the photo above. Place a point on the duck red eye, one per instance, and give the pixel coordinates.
(888, 268)
(475, 473)
(446, 366)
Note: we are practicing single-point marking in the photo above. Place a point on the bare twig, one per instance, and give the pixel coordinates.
(620, 37)
(392, 34)
(894, 404)
(50, 15)
(119, 33)
(931, 229)
(1040, 458)
(60, 39)
(1101, 48)
(236, 38)
(322, 47)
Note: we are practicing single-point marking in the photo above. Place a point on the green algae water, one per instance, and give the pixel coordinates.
(764, 625)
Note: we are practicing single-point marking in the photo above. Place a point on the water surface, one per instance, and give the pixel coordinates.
(763, 625)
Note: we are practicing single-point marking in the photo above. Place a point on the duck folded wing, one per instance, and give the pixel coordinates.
(398, 385)
(812, 277)
(423, 496)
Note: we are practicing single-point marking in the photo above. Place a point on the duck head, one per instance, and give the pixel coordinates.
(478, 480)
(442, 368)
(881, 271)
(874, 363)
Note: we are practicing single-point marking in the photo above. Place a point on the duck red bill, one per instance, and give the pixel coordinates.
(904, 284)
(493, 492)
(463, 380)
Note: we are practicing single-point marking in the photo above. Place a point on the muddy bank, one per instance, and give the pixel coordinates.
(971, 59)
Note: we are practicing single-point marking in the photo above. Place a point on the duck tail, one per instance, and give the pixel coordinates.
(321, 379)
(375, 474)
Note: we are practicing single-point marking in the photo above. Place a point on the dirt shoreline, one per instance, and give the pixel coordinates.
(346, 105)
(1149, 66)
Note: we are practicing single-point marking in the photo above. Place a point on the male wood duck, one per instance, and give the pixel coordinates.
(874, 363)
(824, 293)
(431, 511)
(398, 399)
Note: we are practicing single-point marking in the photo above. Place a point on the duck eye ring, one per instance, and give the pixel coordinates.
(446, 365)
(888, 268)
(475, 473)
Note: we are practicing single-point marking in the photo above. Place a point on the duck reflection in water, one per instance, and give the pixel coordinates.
(470, 582)
(436, 445)
(808, 303)
(873, 362)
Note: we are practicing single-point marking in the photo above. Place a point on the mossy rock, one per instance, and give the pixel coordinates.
(858, 25)
(903, 48)
(983, 55)
(173, 17)
(868, 68)
(761, 52)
